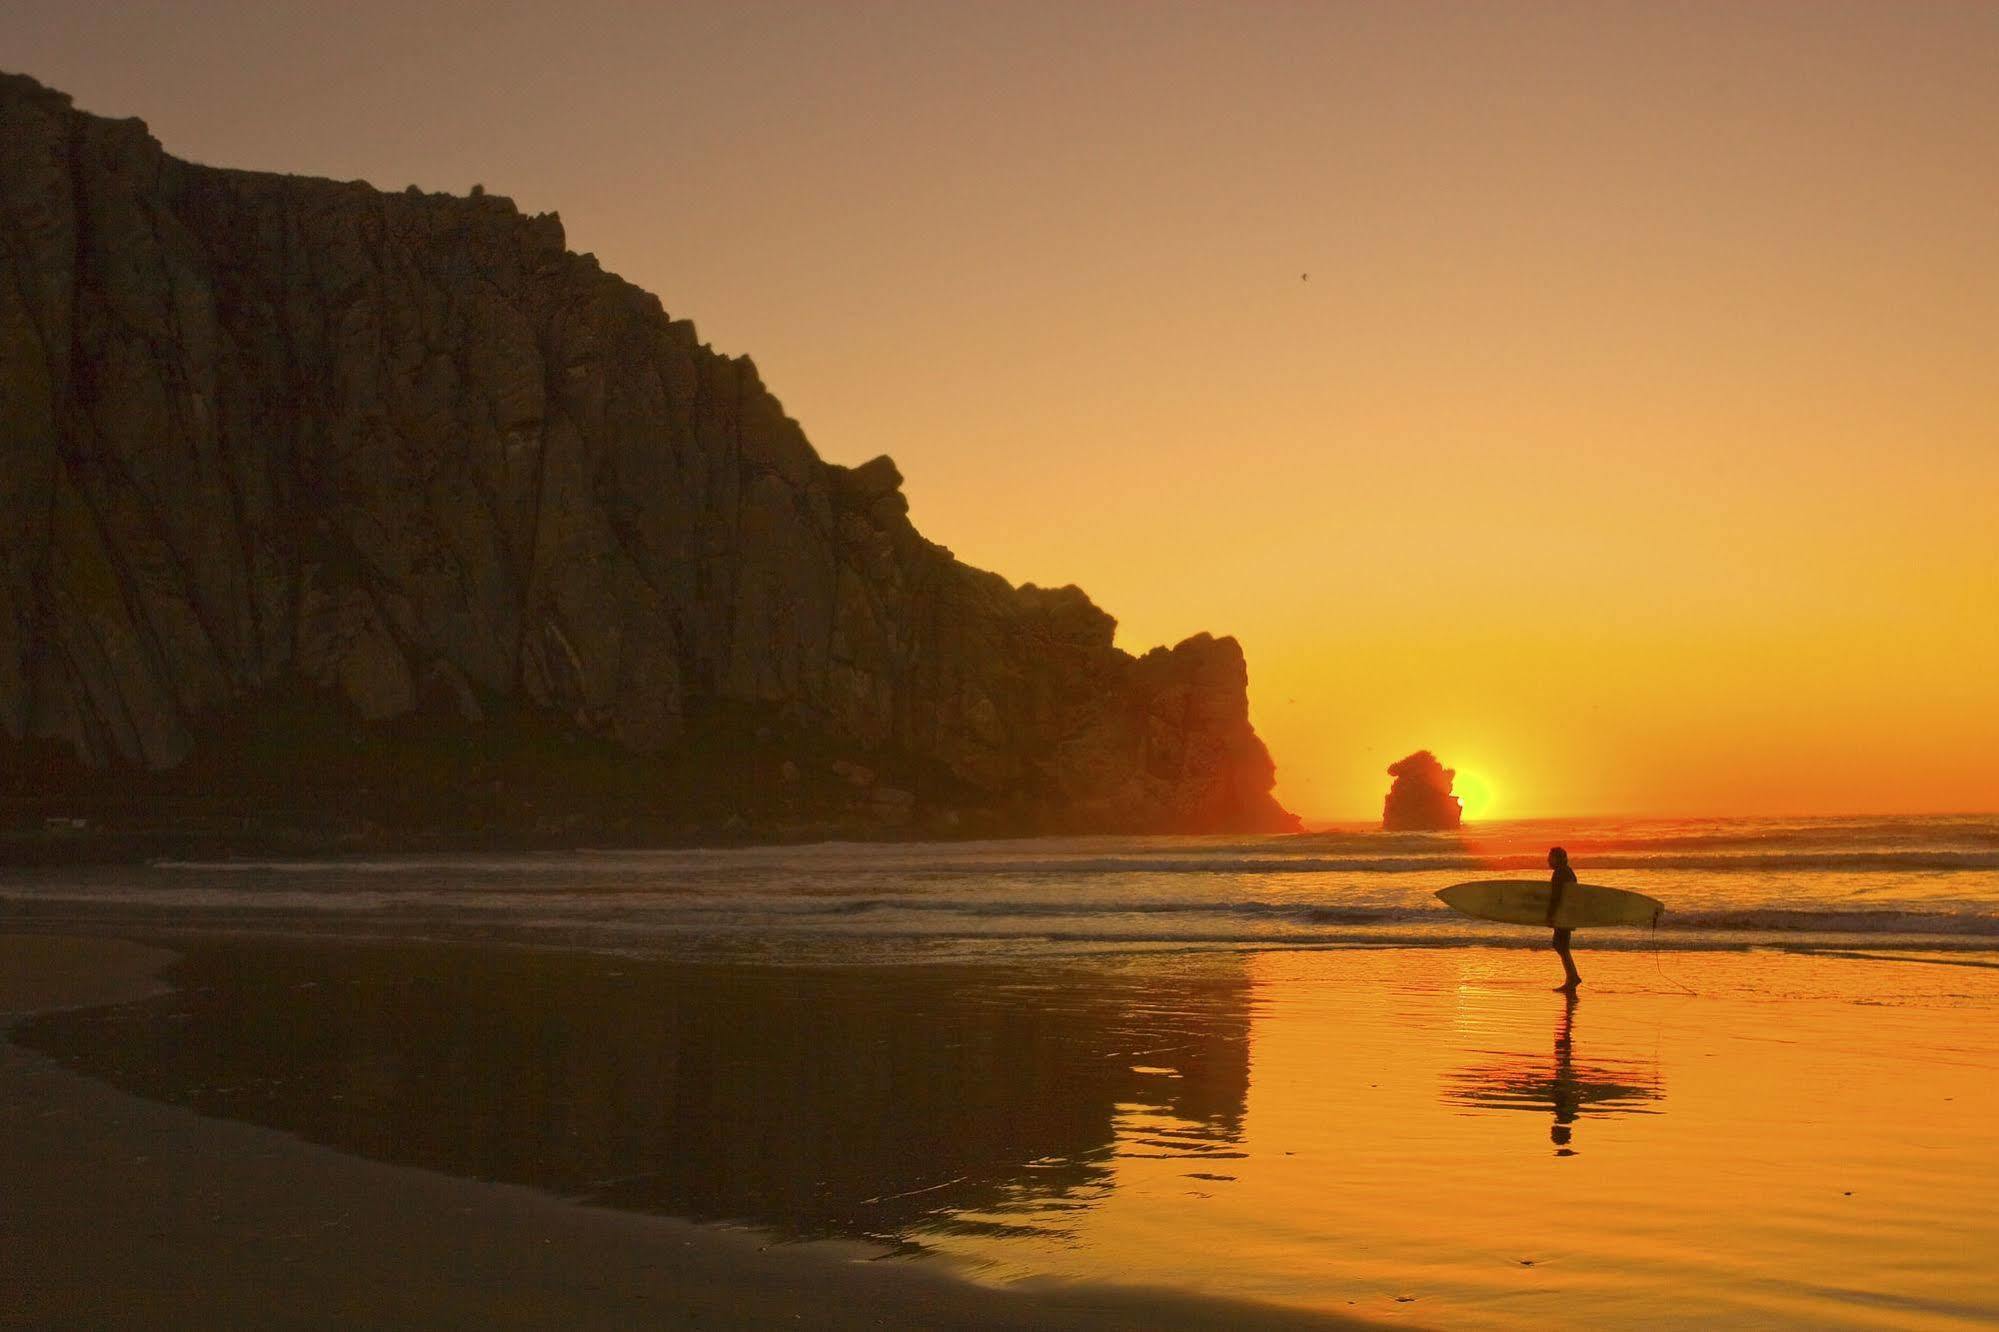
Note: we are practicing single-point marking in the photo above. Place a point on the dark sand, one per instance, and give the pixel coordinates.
(119, 1211)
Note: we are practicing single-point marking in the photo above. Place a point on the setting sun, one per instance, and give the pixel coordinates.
(1475, 794)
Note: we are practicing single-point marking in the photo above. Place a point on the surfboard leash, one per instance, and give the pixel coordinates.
(1658, 962)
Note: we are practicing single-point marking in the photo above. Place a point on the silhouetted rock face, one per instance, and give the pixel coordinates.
(1420, 799)
(264, 429)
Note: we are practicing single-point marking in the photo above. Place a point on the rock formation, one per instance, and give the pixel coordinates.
(1420, 798)
(294, 470)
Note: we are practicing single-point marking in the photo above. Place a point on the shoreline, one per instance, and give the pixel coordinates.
(125, 847)
(129, 848)
(122, 1210)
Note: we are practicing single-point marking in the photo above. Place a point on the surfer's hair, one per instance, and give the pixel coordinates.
(1556, 853)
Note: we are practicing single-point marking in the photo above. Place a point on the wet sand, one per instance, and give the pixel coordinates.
(1420, 1135)
(121, 1211)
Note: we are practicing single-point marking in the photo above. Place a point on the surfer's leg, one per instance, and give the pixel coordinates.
(1571, 977)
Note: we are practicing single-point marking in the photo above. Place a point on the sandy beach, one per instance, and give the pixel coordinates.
(122, 1212)
(364, 1131)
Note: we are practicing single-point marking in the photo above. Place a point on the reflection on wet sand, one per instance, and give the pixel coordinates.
(881, 1103)
(1560, 1085)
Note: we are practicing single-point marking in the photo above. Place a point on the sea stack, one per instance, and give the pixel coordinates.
(321, 501)
(1420, 799)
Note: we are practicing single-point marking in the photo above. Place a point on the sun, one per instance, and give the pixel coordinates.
(1474, 792)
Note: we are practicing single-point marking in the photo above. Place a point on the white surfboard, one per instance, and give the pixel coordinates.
(1525, 902)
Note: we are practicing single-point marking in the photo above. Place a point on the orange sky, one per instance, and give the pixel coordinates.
(1634, 443)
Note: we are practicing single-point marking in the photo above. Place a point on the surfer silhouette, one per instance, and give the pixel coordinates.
(1558, 861)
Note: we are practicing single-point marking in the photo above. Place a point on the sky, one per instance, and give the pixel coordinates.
(1603, 396)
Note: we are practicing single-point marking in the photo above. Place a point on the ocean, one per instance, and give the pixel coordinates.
(1929, 883)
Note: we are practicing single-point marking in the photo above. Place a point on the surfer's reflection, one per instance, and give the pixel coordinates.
(1567, 1088)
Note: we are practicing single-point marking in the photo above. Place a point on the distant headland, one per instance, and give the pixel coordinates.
(1420, 799)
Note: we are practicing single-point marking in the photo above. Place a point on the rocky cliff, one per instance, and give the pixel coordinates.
(313, 492)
